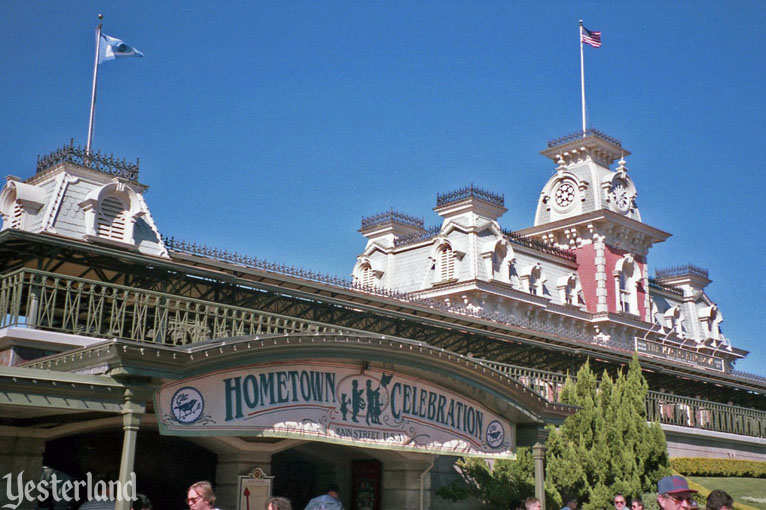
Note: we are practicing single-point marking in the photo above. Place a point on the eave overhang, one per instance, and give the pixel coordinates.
(136, 361)
(597, 217)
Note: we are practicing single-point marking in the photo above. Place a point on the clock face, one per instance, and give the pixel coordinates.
(620, 192)
(565, 194)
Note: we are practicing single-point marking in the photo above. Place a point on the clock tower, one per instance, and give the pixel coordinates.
(591, 209)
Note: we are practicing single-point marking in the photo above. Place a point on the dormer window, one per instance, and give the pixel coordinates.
(711, 320)
(111, 213)
(569, 289)
(501, 262)
(18, 202)
(536, 281)
(367, 276)
(674, 320)
(446, 258)
(533, 280)
(112, 218)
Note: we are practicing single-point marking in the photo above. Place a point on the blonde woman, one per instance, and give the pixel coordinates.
(200, 496)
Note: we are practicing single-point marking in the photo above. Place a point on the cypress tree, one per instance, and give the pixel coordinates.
(607, 446)
(604, 448)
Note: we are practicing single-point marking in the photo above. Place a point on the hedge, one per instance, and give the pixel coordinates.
(698, 466)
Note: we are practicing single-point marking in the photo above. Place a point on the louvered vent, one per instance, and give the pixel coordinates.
(18, 213)
(111, 219)
(368, 278)
(446, 264)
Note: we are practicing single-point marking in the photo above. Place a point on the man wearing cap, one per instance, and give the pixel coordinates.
(673, 493)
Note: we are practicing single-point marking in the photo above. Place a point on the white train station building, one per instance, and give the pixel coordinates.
(126, 351)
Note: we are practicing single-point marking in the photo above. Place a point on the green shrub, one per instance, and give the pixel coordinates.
(698, 466)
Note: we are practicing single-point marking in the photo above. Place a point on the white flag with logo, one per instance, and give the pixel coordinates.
(112, 48)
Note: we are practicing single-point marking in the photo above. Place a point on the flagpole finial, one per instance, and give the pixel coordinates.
(580, 22)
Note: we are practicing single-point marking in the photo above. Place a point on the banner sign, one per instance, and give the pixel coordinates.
(333, 403)
(677, 354)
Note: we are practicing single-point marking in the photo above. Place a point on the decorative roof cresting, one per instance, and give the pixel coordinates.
(469, 192)
(95, 161)
(391, 215)
(578, 135)
(688, 269)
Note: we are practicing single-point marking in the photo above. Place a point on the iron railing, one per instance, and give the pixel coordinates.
(703, 414)
(36, 299)
(654, 284)
(661, 407)
(48, 301)
(546, 384)
(539, 246)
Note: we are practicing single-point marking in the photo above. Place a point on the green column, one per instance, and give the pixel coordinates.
(132, 412)
(538, 453)
(34, 302)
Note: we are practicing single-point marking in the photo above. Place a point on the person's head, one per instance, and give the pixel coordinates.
(673, 493)
(200, 496)
(532, 504)
(333, 490)
(636, 504)
(719, 500)
(619, 501)
(142, 503)
(572, 503)
(279, 504)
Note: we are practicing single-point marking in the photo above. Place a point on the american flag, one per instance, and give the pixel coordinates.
(592, 38)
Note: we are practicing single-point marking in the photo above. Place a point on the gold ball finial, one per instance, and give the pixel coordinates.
(100, 16)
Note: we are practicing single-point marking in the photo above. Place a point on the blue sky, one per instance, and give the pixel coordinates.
(271, 128)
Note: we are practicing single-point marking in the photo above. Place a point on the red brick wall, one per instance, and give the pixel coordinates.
(586, 270)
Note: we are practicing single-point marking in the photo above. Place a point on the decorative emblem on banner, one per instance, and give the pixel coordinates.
(495, 434)
(187, 405)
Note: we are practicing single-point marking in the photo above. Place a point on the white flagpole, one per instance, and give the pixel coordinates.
(92, 120)
(582, 81)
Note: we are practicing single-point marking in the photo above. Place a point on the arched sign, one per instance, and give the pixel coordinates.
(333, 403)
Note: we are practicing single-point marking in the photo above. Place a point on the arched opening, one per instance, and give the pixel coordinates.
(165, 466)
(303, 472)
